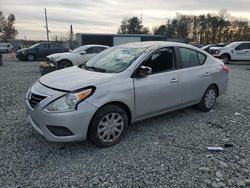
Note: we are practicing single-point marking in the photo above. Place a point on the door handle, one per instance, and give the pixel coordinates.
(207, 74)
(174, 80)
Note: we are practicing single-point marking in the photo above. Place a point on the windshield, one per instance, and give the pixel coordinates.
(34, 45)
(114, 60)
(232, 45)
(79, 49)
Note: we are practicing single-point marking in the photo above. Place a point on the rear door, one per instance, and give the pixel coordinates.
(42, 50)
(160, 90)
(195, 76)
(56, 48)
(241, 52)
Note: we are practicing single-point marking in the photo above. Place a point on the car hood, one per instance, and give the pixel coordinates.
(23, 49)
(216, 48)
(74, 78)
(60, 55)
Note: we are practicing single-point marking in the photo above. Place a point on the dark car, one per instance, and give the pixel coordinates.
(40, 51)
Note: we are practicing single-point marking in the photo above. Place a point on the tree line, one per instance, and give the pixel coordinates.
(7, 28)
(204, 29)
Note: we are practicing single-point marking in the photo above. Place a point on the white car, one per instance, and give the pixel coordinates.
(75, 57)
(6, 48)
(233, 51)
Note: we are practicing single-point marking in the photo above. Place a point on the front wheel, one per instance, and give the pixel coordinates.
(64, 64)
(107, 126)
(225, 58)
(208, 100)
(30, 57)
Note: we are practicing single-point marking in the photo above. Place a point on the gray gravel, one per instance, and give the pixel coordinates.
(167, 151)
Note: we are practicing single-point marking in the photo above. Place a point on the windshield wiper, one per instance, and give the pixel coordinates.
(94, 68)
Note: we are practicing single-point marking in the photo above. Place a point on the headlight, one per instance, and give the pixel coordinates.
(23, 52)
(217, 51)
(69, 101)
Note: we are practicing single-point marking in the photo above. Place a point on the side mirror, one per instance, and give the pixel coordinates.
(83, 52)
(143, 71)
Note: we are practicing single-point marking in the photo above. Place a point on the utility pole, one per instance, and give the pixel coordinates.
(47, 29)
(71, 37)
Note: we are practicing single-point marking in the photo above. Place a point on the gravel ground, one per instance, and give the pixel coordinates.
(166, 151)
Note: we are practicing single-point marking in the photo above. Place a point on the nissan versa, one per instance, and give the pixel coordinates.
(122, 85)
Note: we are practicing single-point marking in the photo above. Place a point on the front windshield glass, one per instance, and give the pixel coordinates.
(232, 45)
(79, 49)
(34, 45)
(114, 60)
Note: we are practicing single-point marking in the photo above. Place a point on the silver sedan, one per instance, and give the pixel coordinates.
(122, 85)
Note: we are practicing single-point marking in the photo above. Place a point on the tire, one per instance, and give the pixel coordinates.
(226, 58)
(31, 57)
(104, 134)
(208, 100)
(63, 64)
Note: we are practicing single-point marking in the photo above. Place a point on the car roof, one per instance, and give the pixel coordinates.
(95, 45)
(150, 45)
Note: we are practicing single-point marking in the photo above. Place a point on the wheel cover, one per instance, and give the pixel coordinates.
(110, 127)
(225, 59)
(210, 98)
(30, 57)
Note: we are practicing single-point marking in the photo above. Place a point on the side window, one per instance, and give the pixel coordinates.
(242, 46)
(248, 46)
(90, 50)
(42, 46)
(202, 58)
(98, 49)
(189, 58)
(55, 46)
(161, 60)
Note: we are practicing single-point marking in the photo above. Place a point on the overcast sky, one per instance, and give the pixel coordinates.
(104, 16)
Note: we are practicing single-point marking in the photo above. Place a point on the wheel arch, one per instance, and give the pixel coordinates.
(227, 55)
(121, 105)
(217, 89)
(66, 60)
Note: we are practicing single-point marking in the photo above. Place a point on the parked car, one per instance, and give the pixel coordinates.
(6, 48)
(122, 85)
(209, 48)
(75, 57)
(40, 51)
(234, 51)
(213, 49)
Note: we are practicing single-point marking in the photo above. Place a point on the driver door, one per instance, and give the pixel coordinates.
(160, 90)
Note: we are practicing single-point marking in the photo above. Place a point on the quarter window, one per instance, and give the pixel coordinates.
(161, 60)
(191, 58)
(202, 58)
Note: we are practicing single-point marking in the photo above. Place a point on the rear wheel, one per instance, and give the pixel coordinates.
(64, 64)
(107, 126)
(225, 58)
(208, 100)
(30, 57)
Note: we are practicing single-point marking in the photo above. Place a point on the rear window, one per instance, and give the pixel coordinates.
(191, 58)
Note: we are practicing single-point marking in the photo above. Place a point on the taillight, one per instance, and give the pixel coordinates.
(224, 68)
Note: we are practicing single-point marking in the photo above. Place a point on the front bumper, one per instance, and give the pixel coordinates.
(21, 56)
(77, 122)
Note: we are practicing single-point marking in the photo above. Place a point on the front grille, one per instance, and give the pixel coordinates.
(34, 99)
